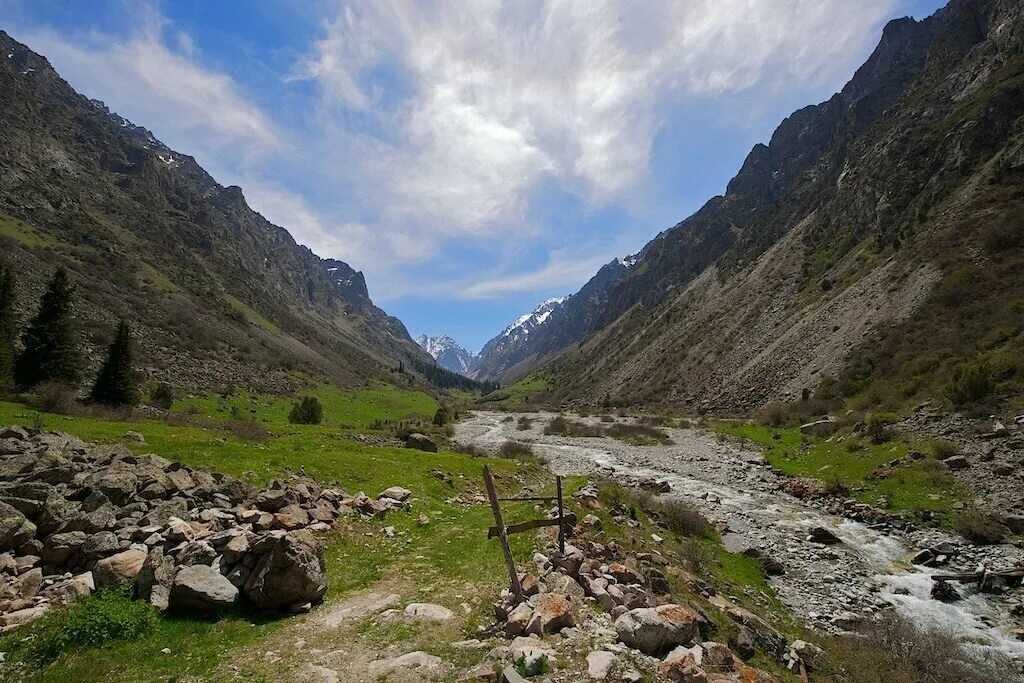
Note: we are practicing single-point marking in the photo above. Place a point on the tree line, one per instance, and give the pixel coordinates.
(50, 349)
(446, 379)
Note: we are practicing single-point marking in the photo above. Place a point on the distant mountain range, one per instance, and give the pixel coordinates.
(216, 294)
(873, 249)
(448, 353)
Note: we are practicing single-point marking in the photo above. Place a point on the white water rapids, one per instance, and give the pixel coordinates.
(867, 572)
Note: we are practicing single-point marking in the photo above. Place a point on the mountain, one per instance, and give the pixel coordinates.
(448, 353)
(554, 325)
(216, 294)
(842, 250)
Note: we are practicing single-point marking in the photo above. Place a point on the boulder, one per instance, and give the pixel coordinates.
(58, 549)
(420, 442)
(290, 573)
(680, 665)
(956, 462)
(119, 569)
(24, 587)
(156, 578)
(64, 592)
(15, 529)
(653, 630)
(551, 613)
(531, 656)
(396, 493)
(820, 534)
(599, 664)
(518, 619)
(822, 428)
(427, 611)
(201, 588)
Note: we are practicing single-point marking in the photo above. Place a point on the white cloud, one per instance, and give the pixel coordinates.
(194, 109)
(498, 98)
(560, 271)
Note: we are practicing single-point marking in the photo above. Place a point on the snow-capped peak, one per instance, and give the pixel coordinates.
(448, 353)
(535, 318)
(630, 260)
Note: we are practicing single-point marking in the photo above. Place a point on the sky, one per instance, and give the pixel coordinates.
(472, 158)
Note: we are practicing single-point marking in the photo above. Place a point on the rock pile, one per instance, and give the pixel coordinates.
(76, 518)
(638, 623)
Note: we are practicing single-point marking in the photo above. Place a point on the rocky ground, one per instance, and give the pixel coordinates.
(75, 518)
(832, 570)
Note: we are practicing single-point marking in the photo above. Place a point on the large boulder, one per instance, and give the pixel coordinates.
(420, 442)
(201, 588)
(290, 573)
(58, 549)
(653, 630)
(552, 613)
(15, 529)
(120, 569)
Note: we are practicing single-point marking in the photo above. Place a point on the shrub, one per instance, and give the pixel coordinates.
(54, 397)
(642, 434)
(103, 618)
(561, 425)
(773, 415)
(979, 527)
(682, 518)
(942, 449)
(524, 423)
(1003, 235)
(892, 648)
(162, 396)
(308, 411)
(442, 417)
(248, 430)
(971, 382)
(516, 450)
(878, 426)
(853, 444)
(835, 486)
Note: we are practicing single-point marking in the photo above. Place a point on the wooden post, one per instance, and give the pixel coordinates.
(561, 516)
(513, 573)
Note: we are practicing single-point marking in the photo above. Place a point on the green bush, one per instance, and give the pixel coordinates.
(162, 396)
(971, 382)
(105, 617)
(308, 411)
(443, 417)
(878, 426)
(981, 528)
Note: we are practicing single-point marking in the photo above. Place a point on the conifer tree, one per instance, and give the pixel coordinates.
(51, 352)
(115, 384)
(8, 324)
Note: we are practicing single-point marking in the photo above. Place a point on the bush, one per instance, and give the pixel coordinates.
(979, 527)
(971, 382)
(942, 449)
(103, 618)
(248, 430)
(54, 397)
(516, 450)
(1003, 235)
(641, 434)
(561, 425)
(878, 426)
(892, 648)
(308, 411)
(682, 518)
(162, 396)
(524, 423)
(442, 417)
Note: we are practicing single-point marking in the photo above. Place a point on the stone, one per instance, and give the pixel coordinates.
(420, 442)
(821, 428)
(426, 611)
(64, 592)
(58, 549)
(119, 569)
(156, 578)
(553, 612)
(518, 620)
(653, 630)
(396, 493)
(820, 534)
(290, 573)
(24, 587)
(956, 462)
(201, 588)
(744, 643)
(100, 544)
(943, 591)
(599, 664)
(680, 665)
(21, 617)
(15, 529)
(411, 660)
(717, 657)
(531, 656)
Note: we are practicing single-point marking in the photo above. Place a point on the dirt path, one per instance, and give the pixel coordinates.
(827, 586)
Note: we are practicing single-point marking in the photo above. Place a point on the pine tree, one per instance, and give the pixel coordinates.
(115, 384)
(51, 346)
(8, 325)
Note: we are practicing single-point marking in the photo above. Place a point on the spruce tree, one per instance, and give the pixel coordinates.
(51, 352)
(8, 324)
(115, 384)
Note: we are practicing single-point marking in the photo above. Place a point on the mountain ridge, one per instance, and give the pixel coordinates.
(448, 353)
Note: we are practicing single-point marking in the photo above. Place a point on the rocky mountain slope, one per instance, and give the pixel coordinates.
(448, 353)
(843, 248)
(216, 293)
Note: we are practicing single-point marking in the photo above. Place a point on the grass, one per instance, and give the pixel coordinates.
(21, 233)
(342, 408)
(426, 560)
(531, 389)
(252, 316)
(912, 487)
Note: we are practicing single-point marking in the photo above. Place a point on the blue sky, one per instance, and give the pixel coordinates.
(472, 158)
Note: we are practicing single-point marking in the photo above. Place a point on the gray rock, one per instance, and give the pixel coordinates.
(201, 588)
(420, 442)
(653, 630)
(290, 573)
(156, 578)
(119, 569)
(426, 611)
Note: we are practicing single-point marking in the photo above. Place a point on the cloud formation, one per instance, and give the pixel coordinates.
(495, 99)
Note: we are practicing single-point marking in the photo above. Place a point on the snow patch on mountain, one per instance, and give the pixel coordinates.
(448, 353)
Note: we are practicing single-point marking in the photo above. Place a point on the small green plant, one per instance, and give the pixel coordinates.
(516, 450)
(38, 422)
(523, 423)
(162, 396)
(105, 617)
(682, 519)
(971, 382)
(878, 427)
(942, 449)
(308, 411)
